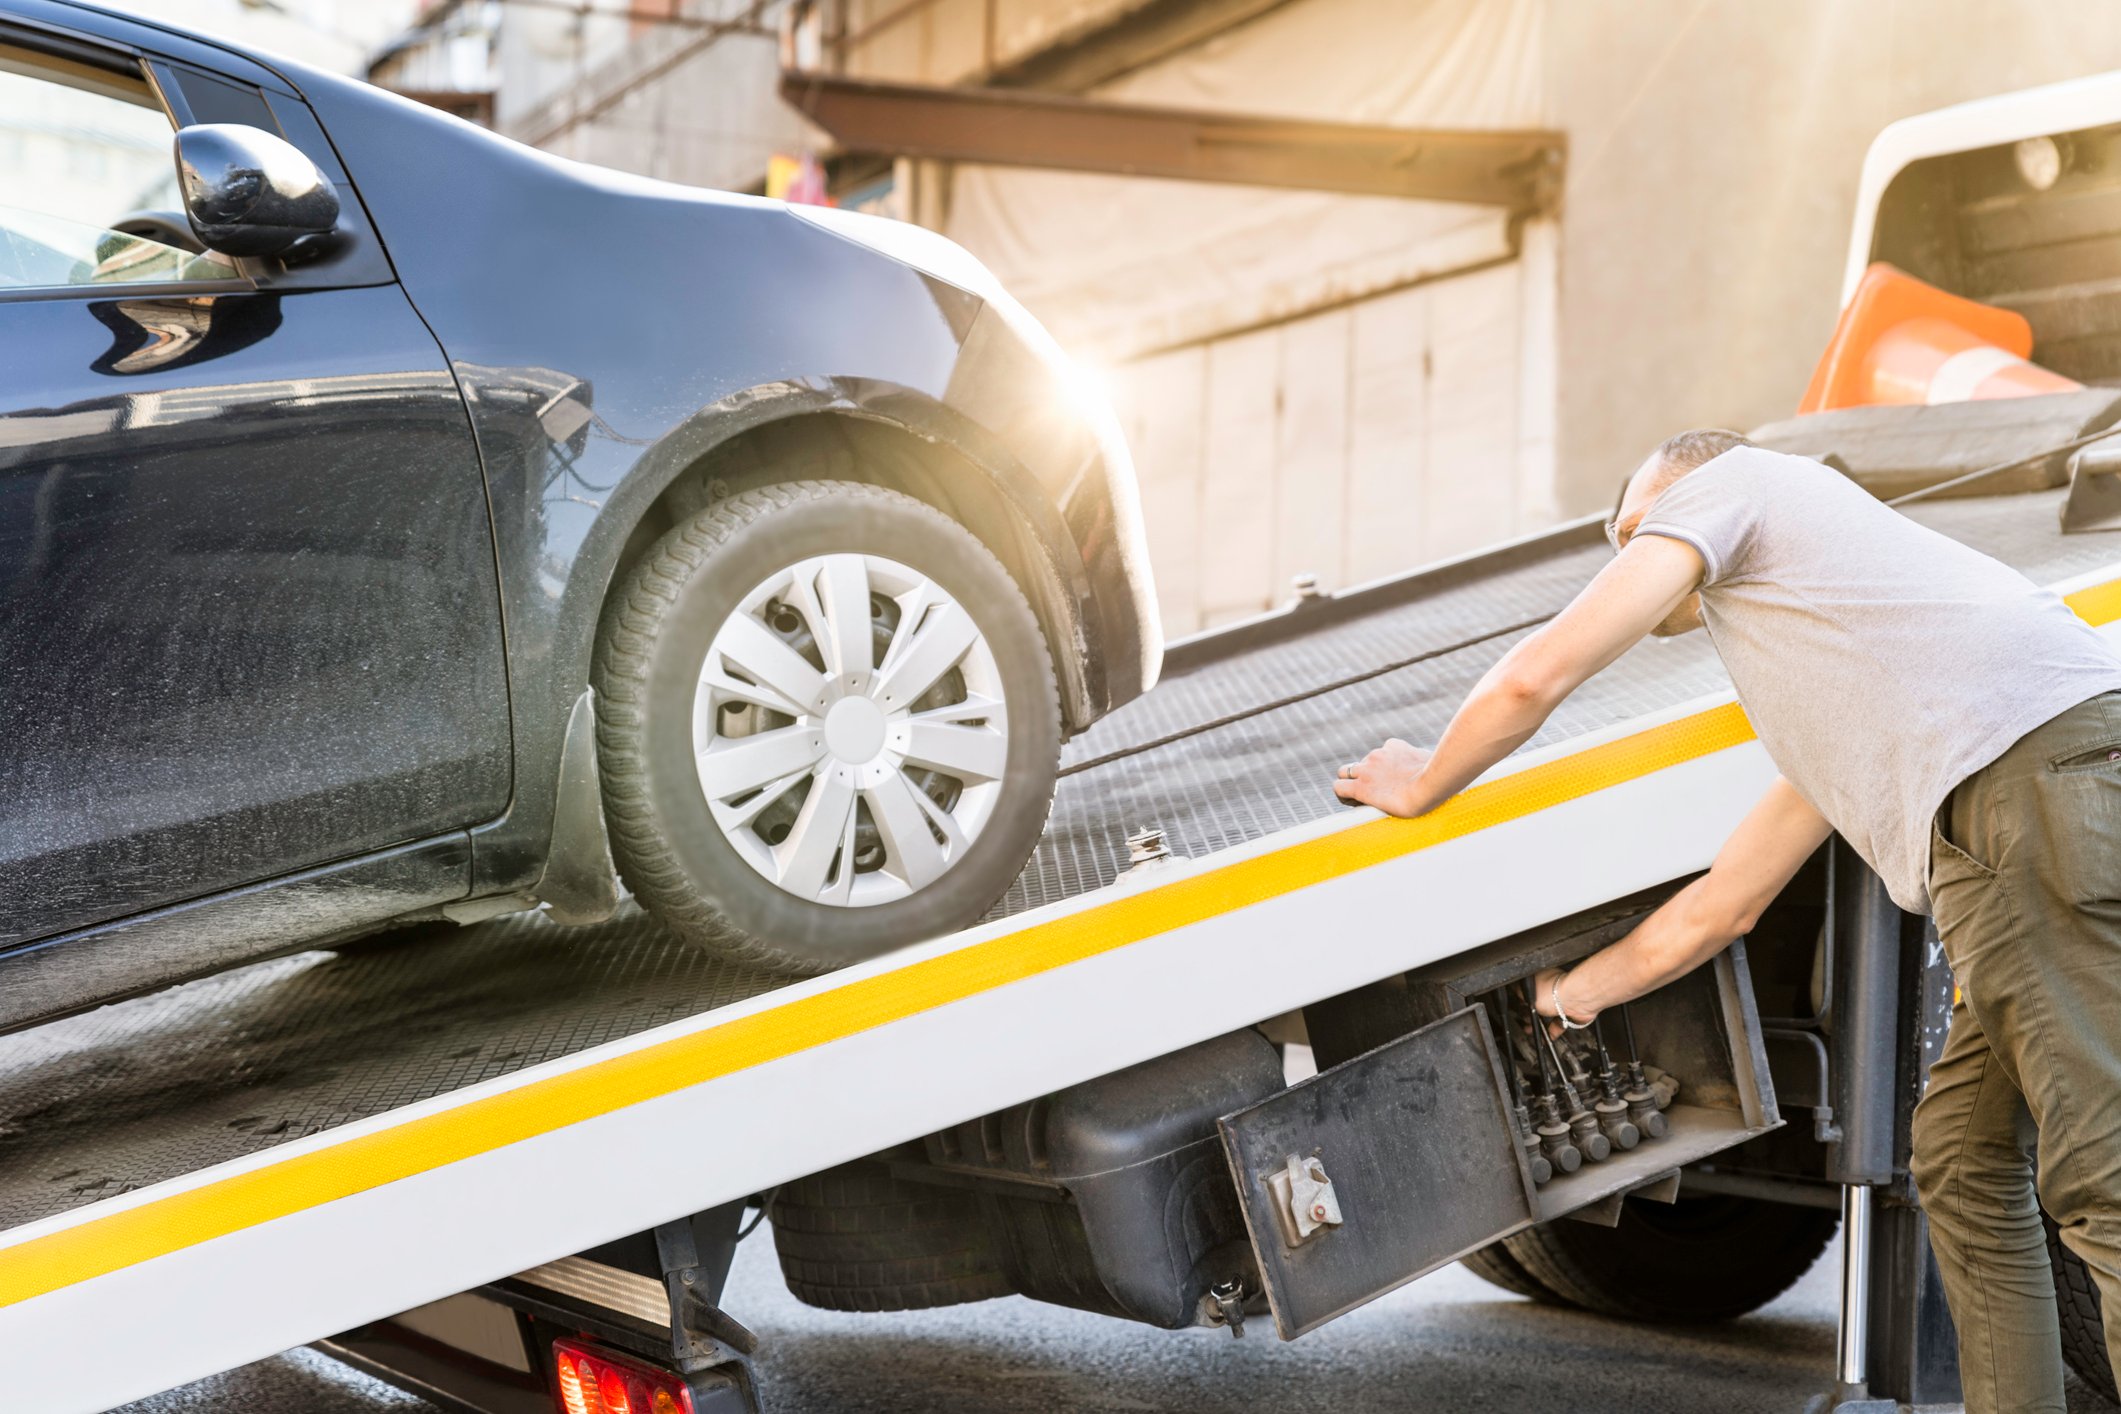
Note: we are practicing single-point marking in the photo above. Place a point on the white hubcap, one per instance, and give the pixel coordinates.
(850, 729)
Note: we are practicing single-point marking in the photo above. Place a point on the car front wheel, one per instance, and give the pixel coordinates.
(828, 725)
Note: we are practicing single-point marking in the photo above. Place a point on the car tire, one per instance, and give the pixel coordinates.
(661, 712)
(1494, 1264)
(1686, 1263)
(855, 1238)
(2083, 1324)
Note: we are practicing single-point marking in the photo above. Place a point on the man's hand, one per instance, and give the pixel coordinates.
(1547, 1003)
(1388, 778)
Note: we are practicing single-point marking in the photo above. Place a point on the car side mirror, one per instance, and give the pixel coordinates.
(247, 192)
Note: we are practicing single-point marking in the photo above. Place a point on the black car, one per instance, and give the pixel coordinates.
(397, 521)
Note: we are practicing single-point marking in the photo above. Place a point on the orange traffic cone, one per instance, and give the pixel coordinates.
(1903, 341)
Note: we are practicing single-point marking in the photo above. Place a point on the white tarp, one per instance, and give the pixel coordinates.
(1119, 266)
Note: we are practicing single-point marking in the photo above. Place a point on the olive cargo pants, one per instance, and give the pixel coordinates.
(2025, 882)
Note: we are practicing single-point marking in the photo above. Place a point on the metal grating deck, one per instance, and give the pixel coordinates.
(168, 1084)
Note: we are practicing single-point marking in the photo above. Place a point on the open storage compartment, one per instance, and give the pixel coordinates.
(1703, 1031)
(1409, 1148)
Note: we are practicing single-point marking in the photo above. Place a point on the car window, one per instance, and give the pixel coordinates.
(88, 185)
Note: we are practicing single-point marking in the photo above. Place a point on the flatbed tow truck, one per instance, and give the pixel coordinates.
(506, 1165)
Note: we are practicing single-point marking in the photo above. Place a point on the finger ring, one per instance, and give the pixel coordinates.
(1347, 773)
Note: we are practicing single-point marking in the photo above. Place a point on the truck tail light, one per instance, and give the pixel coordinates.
(590, 1380)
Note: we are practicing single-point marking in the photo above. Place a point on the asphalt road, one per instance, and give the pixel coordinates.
(1448, 1343)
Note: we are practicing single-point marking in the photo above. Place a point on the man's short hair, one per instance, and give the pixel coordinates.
(1676, 456)
(1693, 448)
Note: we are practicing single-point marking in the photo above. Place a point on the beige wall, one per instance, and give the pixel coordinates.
(1312, 384)
(1348, 445)
(954, 41)
(1714, 151)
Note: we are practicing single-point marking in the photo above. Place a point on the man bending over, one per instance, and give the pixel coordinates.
(1961, 729)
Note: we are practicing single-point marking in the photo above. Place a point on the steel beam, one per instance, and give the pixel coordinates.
(1518, 169)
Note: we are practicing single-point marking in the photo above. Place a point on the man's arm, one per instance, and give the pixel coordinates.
(1630, 596)
(1701, 920)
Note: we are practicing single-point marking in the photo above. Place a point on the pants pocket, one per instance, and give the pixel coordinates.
(1967, 900)
(2080, 838)
(1949, 862)
(2099, 756)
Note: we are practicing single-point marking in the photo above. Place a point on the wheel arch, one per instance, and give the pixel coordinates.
(904, 447)
(860, 430)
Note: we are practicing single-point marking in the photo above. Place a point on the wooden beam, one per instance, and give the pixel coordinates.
(1518, 169)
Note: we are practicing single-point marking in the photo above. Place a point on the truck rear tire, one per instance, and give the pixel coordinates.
(856, 1238)
(1494, 1264)
(2083, 1324)
(1697, 1260)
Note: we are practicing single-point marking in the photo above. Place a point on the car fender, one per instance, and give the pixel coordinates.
(1059, 589)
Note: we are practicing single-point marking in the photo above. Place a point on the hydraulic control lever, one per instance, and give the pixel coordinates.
(1642, 1103)
(1584, 1132)
(1535, 1156)
(1612, 1105)
(1553, 1130)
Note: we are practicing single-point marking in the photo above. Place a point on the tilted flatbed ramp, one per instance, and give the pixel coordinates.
(259, 1160)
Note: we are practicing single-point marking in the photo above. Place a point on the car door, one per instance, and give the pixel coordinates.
(249, 619)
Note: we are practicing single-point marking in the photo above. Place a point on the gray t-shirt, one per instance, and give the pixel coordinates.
(1880, 662)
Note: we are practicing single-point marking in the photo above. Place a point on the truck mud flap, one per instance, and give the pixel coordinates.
(1410, 1155)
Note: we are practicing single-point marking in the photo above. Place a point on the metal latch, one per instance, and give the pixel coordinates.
(1304, 1199)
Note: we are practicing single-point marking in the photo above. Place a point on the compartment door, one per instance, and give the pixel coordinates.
(1416, 1142)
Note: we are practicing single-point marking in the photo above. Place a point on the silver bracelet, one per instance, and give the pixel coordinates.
(1563, 1016)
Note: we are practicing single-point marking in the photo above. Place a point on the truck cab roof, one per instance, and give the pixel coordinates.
(1945, 196)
